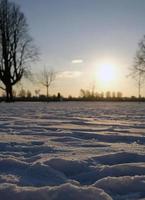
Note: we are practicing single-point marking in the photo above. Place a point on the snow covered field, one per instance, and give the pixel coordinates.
(72, 151)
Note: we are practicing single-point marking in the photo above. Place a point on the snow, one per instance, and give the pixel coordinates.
(63, 192)
(123, 186)
(72, 150)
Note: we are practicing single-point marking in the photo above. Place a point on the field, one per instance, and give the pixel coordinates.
(72, 151)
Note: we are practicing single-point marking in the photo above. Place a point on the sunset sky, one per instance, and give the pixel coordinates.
(77, 37)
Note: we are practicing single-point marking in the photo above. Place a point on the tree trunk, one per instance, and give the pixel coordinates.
(9, 93)
(47, 92)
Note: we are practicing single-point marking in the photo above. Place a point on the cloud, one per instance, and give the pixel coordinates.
(70, 74)
(77, 61)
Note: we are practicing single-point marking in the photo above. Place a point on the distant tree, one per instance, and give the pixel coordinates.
(93, 90)
(102, 95)
(88, 94)
(16, 46)
(28, 94)
(22, 93)
(108, 94)
(113, 95)
(119, 95)
(82, 93)
(138, 69)
(58, 95)
(70, 97)
(47, 77)
(37, 92)
(97, 95)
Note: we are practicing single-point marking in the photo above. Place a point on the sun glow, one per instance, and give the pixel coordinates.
(106, 73)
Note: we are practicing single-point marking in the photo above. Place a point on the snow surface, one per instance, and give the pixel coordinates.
(72, 151)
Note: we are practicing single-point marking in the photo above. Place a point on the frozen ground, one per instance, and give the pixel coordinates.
(72, 151)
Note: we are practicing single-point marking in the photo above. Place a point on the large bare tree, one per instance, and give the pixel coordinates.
(16, 46)
(138, 69)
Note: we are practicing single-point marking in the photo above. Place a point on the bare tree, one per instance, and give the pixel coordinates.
(37, 92)
(22, 93)
(47, 77)
(138, 69)
(16, 46)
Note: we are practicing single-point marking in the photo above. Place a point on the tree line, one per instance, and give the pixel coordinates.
(88, 94)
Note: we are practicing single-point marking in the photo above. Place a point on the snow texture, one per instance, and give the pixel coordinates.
(72, 151)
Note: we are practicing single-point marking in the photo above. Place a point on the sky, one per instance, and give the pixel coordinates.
(76, 37)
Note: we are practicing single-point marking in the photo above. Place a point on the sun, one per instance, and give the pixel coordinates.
(106, 73)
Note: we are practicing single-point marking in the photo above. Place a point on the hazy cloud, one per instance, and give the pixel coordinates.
(77, 61)
(69, 74)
